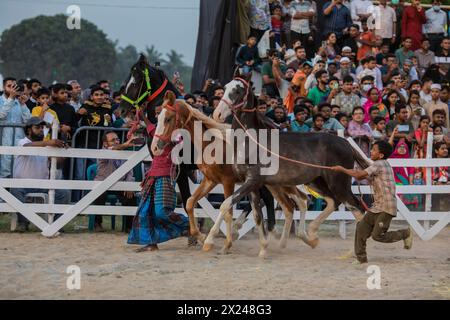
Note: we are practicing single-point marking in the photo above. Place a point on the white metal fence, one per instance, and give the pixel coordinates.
(83, 206)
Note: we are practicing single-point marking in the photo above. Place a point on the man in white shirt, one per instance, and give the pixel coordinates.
(434, 28)
(35, 167)
(301, 12)
(360, 9)
(385, 21)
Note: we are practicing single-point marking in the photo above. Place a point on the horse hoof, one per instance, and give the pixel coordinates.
(201, 237)
(262, 254)
(313, 243)
(235, 235)
(224, 251)
(207, 247)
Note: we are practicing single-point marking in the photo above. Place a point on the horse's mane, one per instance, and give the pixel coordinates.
(207, 121)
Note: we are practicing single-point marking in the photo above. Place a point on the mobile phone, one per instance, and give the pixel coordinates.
(157, 64)
(403, 128)
(176, 74)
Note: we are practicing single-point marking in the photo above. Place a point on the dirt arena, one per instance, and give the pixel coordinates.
(33, 267)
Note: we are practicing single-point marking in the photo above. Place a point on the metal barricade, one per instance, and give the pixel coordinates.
(81, 164)
(17, 129)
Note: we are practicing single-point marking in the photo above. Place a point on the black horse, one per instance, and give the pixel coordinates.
(317, 149)
(147, 83)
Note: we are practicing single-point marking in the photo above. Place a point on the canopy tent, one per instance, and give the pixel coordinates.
(217, 42)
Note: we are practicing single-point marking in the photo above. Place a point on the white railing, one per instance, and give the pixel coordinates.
(70, 211)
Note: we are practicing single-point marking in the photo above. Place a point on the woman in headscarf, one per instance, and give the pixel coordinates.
(404, 175)
(374, 98)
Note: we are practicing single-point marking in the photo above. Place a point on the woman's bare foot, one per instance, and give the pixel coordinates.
(148, 248)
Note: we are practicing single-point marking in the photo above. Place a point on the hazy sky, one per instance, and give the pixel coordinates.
(137, 22)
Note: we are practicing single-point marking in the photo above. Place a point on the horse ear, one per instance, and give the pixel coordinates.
(143, 58)
(170, 97)
(237, 72)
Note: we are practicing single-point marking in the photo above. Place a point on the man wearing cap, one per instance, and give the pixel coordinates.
(347, 52)
(345, 69)
(436, 103)
(409, 71)
(35, 167)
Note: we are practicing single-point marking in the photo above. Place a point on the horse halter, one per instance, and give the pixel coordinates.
(175, 109)
(136, 103)
(235, 107)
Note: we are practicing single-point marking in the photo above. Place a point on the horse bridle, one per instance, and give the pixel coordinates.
(174, 109)
(148, 92)
(235, 107)
(136, 103)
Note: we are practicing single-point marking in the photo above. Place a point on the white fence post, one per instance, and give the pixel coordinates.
(51, 192)
(429, 182)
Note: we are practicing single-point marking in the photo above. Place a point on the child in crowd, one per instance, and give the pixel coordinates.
(415, 110)
(421, 134)
(318, 121)
(298, 125)
(379, 133)
(43, 111)
(440, 176)
(277, 24)
(343, 120)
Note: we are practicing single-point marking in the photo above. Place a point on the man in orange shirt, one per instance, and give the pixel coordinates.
(297, 86)
(367, 41)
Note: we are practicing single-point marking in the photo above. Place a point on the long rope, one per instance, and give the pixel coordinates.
(276, 154)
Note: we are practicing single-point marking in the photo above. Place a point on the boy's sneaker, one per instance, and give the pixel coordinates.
(408, 240)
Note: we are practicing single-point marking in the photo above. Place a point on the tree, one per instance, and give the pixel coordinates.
(154, 55)
(174, 64)
(43, 47)
(126, 57)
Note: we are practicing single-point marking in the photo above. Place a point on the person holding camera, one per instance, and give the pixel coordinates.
(401, 127)
(14, 112)
(272, 73)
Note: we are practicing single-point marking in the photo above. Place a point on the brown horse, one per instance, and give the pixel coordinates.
(177, 114)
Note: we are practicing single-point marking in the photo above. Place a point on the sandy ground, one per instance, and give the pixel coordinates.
(32, 266)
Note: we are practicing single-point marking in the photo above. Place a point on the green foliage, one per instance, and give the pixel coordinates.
(174, 63)
(45, 48)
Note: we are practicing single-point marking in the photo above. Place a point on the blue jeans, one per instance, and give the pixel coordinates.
(246, 69)
(61, 197)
